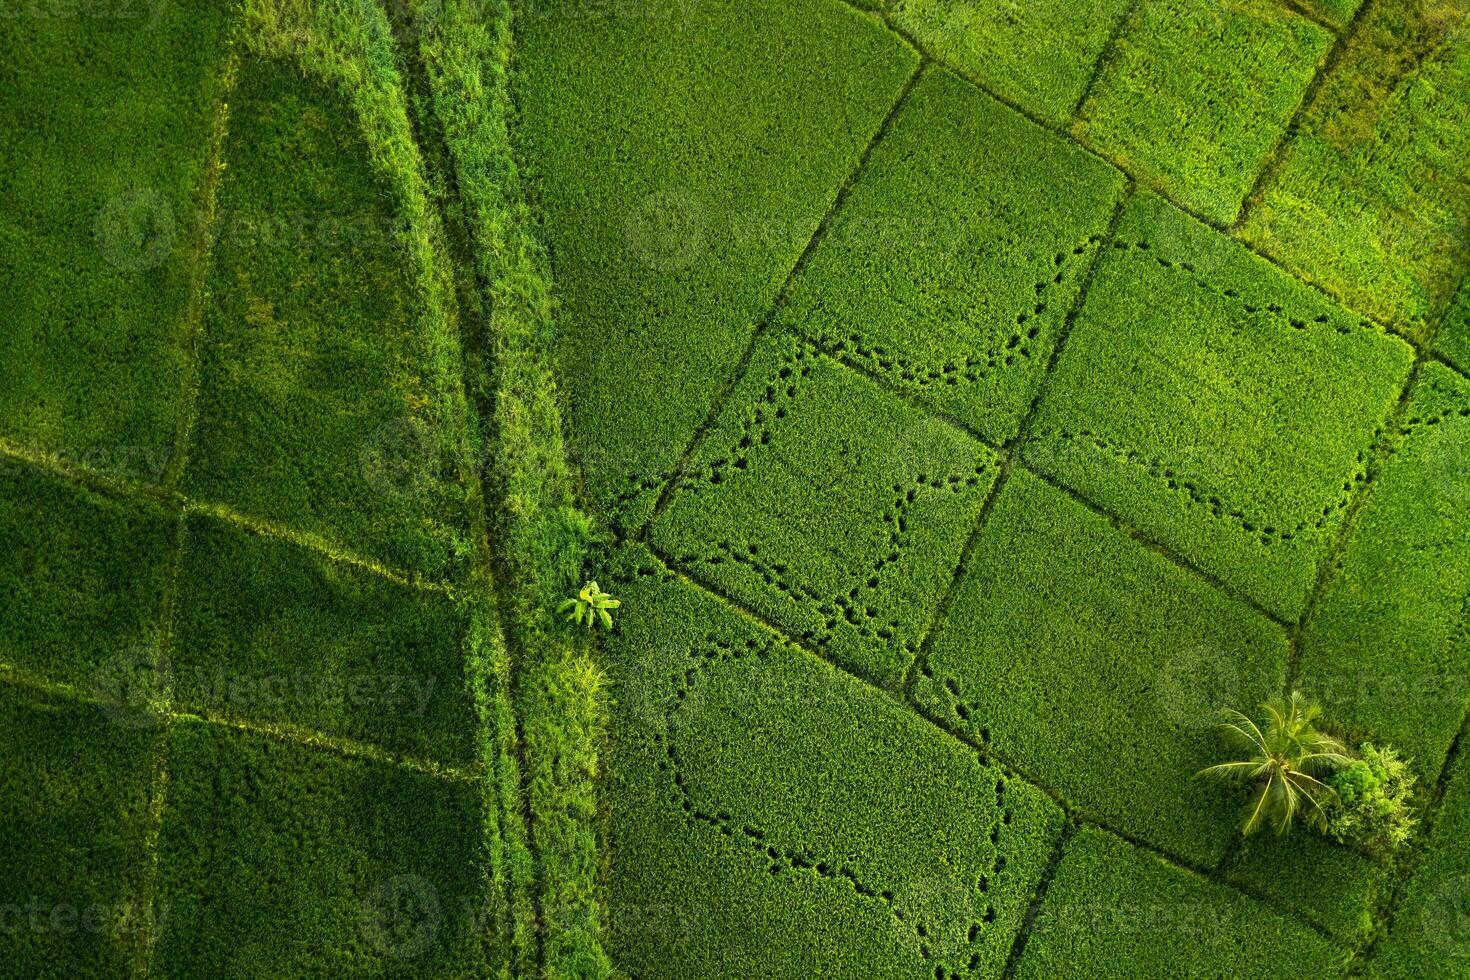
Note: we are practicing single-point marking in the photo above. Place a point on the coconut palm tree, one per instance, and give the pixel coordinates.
(1286, 765)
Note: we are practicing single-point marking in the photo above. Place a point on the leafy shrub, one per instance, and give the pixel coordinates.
(1373, 808)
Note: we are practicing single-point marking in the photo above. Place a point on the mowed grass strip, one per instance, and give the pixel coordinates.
(1429, 935)
(316, 408)
(74, 801)
(1196, 93)
(830, 506)
(1116, 910)
(683, 156)
(772, 816)
(83, 576)
(1372, 196)
(1217, 404)
(1095, 666)
(107, 114)
(278, 859)
(1389, 646)
(268, 631)
(1039, 55)
(955, 258)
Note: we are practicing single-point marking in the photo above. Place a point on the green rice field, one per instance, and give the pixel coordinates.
(959, 404)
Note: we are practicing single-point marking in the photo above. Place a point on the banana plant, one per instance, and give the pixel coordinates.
(590, 606)
(1286, 764)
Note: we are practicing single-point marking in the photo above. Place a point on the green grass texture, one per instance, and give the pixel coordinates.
(108, 124)
(843, 527)
(83, 576)
(957, 255)
(682, 161)
(74, 817)
(870, 843)
(1223, 408)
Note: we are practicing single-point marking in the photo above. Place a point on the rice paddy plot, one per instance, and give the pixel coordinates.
(870, 844)
(1115, 910)
(317, 407)
(683, 156)
(1039, 55)
(1372, 195)
(267, 631)
(1218, 405)
(83, 575)
(957, 255)
(1389, 646)
(831, 507)
(1096, 666)
(74, 817)
(108, 113)
(278, 859)
(1196, 93)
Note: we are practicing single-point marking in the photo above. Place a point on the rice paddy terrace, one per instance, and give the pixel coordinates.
(964, 402)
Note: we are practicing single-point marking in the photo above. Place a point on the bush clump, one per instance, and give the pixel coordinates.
(1373, 806)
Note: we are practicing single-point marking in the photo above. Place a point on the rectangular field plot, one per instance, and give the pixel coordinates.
(108, 112)
(267, 631)
(1095, 666)
(277, 859)
(74, 797)
(1037, 54)
(318, 405)
(83, 578)
(1331, 886)
(957, 254)
(1430, 932)
(1389, 646)
(1197, 92)
(774, 817)
(1215, 403)
(830, 506)
(1372, 197)
(683, 155)
(1114, 910)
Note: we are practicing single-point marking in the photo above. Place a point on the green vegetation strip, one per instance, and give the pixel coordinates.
(1099, 678)
(74, 804)
(108, 123)
(1115, 910)
(1217, 404)
(867, 842)
(844, 527)
(957, 254)
(1454, 336)
(683, 157)
(1197, 92)
(466, 49)
(1372, 197)
(1388, 646)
